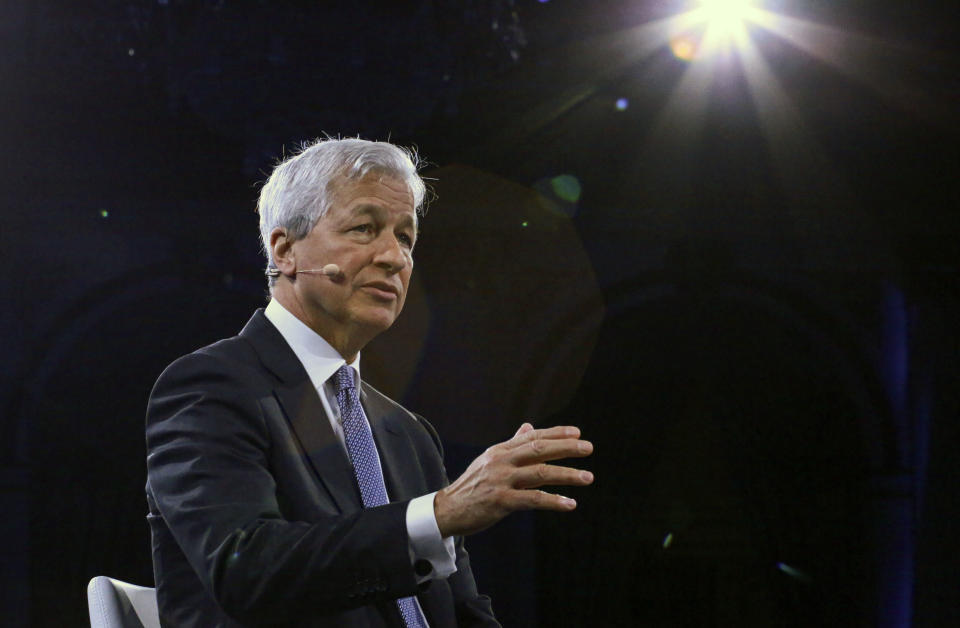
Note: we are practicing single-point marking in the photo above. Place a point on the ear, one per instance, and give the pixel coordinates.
(281, 248)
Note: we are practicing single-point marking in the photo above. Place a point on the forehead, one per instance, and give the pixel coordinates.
(371, 193)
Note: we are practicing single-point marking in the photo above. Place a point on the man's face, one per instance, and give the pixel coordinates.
(369, 232)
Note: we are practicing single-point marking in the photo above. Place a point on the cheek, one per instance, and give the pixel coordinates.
(349, 261)
(406, 290)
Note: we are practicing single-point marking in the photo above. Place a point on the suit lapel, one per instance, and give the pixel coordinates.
(405, 480)
(398, 457)
(308, 420)
(304, 413)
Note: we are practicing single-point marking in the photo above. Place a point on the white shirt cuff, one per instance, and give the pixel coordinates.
(425, 541)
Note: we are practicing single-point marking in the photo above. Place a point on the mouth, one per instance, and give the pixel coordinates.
(382, 290)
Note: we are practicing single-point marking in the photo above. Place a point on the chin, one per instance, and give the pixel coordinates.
(377, 321)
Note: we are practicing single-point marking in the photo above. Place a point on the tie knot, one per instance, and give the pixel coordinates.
(343, 379)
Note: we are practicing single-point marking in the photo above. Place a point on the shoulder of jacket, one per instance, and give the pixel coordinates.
(234, 355)
(414, 418)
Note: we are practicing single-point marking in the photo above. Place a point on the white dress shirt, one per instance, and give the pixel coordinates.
(321, 361)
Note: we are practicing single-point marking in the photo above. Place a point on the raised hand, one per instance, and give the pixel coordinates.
(507, 476)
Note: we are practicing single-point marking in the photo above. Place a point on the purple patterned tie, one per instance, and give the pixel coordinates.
(366, 464)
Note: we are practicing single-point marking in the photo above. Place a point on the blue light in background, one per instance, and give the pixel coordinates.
(793, 572)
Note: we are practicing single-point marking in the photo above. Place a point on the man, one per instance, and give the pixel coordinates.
(282, 490)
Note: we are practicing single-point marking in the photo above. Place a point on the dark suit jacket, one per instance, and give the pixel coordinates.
(254, 511)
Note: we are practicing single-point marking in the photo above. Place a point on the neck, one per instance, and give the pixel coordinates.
(347, 342)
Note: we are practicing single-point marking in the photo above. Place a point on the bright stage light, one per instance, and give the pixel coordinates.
(711, 27)
(725, 18)
(720, 10)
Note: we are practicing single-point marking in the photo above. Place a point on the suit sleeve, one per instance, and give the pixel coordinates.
(208, 473)
(471, 609)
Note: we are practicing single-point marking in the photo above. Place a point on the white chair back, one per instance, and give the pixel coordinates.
(116, 604)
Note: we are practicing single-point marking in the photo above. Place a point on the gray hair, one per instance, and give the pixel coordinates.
(298, 192)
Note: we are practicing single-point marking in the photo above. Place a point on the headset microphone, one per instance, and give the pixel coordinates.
(330, 270)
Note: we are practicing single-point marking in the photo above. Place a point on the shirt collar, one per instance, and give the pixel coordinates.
(319, 359)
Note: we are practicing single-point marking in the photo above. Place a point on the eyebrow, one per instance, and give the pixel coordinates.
(376, 210)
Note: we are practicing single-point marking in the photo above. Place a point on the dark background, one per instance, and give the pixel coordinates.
(746, 297)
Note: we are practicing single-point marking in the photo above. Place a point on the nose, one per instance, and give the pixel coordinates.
(391, 254)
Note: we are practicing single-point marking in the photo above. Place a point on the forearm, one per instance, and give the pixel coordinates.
(276, 569)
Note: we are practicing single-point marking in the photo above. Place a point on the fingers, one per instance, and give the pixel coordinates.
(526, 427)
(551, 433)
(507, 477)
(539, 500)
(543, 450)
(534, 476)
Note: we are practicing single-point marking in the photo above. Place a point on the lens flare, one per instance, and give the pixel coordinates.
(566, 187)
(684, 47)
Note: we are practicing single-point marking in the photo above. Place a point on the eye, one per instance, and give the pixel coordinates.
(363, 228)
(406, 239)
